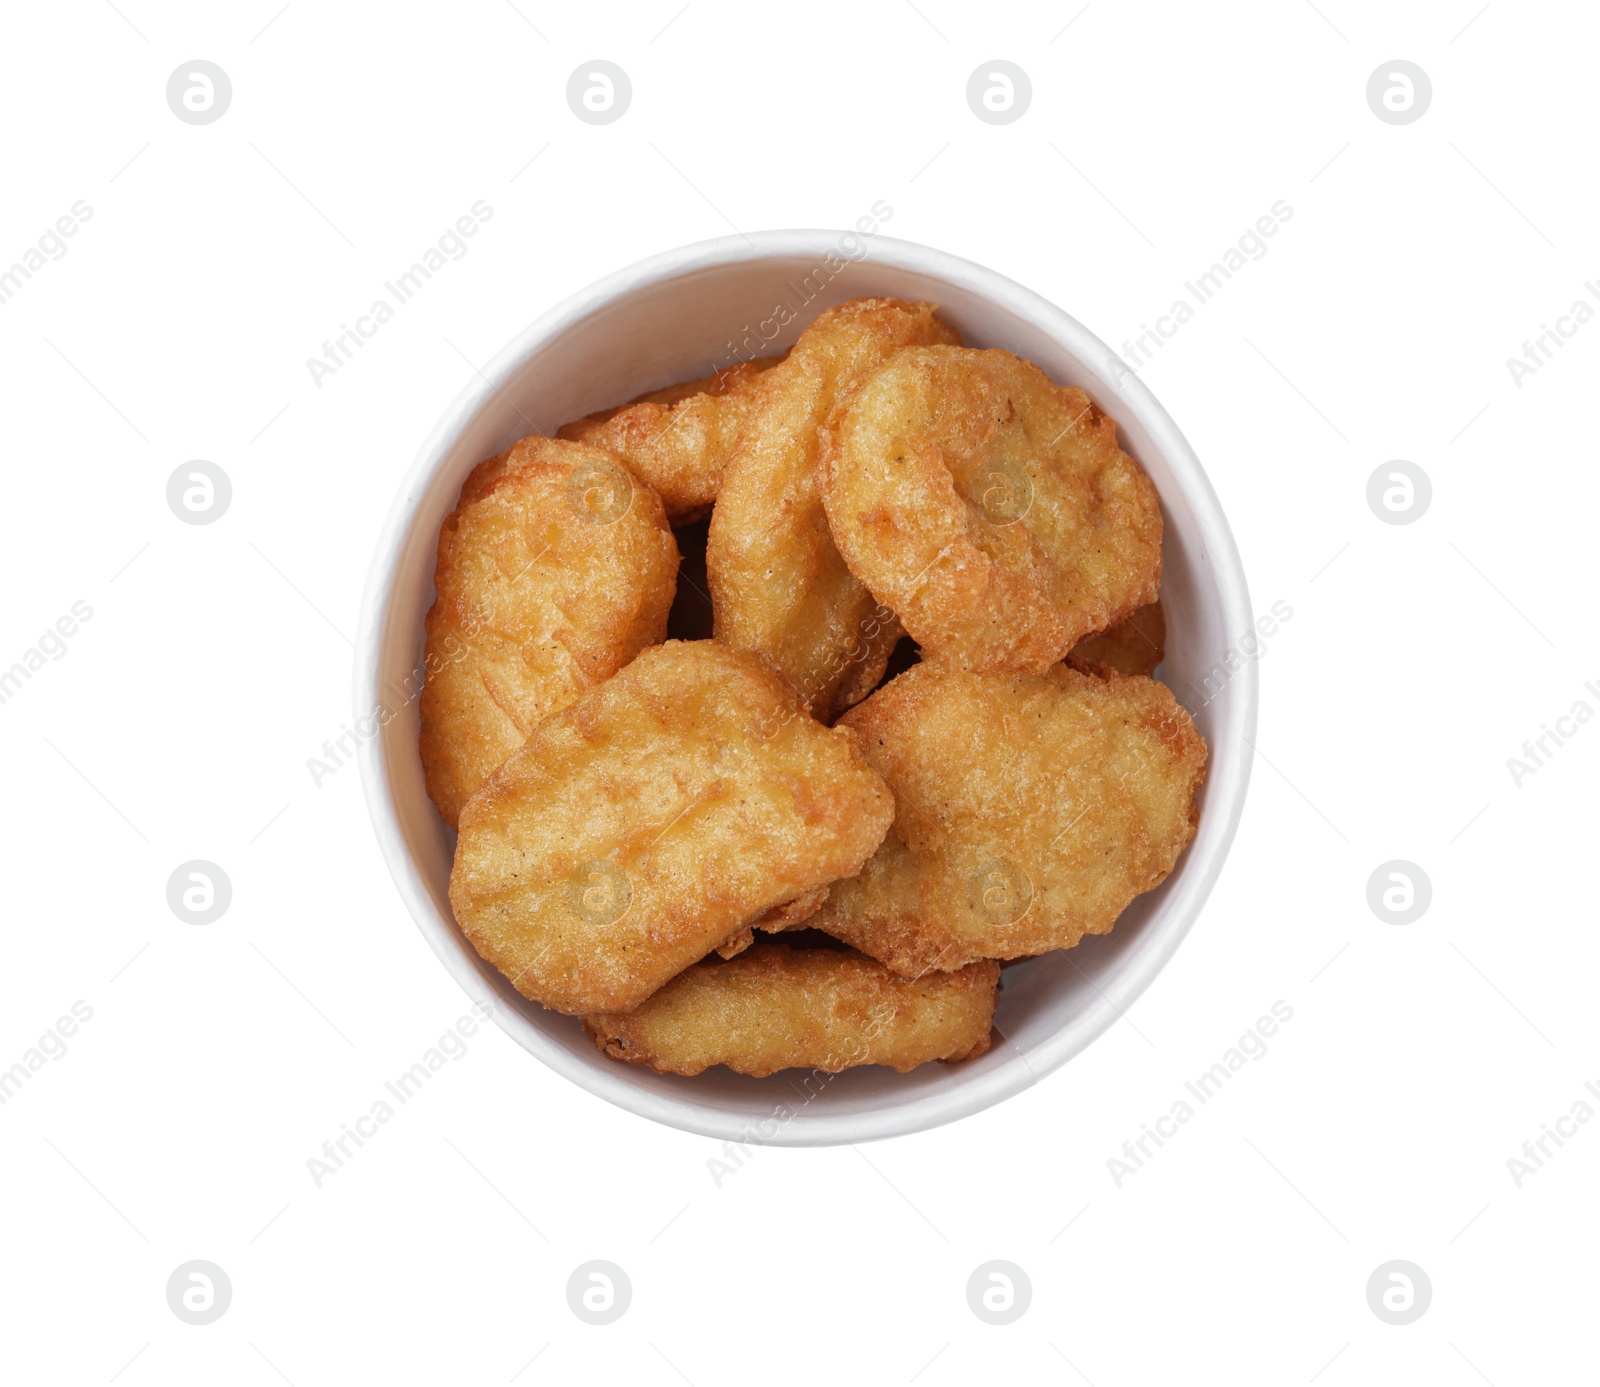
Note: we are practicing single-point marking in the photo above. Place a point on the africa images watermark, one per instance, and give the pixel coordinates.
(806, 1090)
(599, 492)
(52, 245)
(338, 752)
(1537, 751)
(340, 350)
(52, 1045)
(1540, 351)
(860, 646)
(1137, 1151)
(1138, 352)
(755, 340)
(451, 1046)
(1536, 1151)
(52, 643)
(1249, 648)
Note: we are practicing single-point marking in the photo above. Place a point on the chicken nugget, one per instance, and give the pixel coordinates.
(653, 819)
(1030, 809)
(990, 508)
(678, 439)
(778, 583)
(1135, 645)
(554, 571)
(776, 1007)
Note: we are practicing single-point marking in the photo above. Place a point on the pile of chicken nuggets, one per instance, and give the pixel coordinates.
(762, 848)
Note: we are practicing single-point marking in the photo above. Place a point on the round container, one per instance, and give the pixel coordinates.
(676, 316)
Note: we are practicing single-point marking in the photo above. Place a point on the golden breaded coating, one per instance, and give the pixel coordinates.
(793, 914)
(776, 1007)
(778, 584)
(790, 915)
(1030, 809)
(653, 819)
(555, 570)
(990, 508)
(725, 380)
(1135, 645)
(678, 439)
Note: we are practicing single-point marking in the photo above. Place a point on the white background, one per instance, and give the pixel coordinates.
(178, 724)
